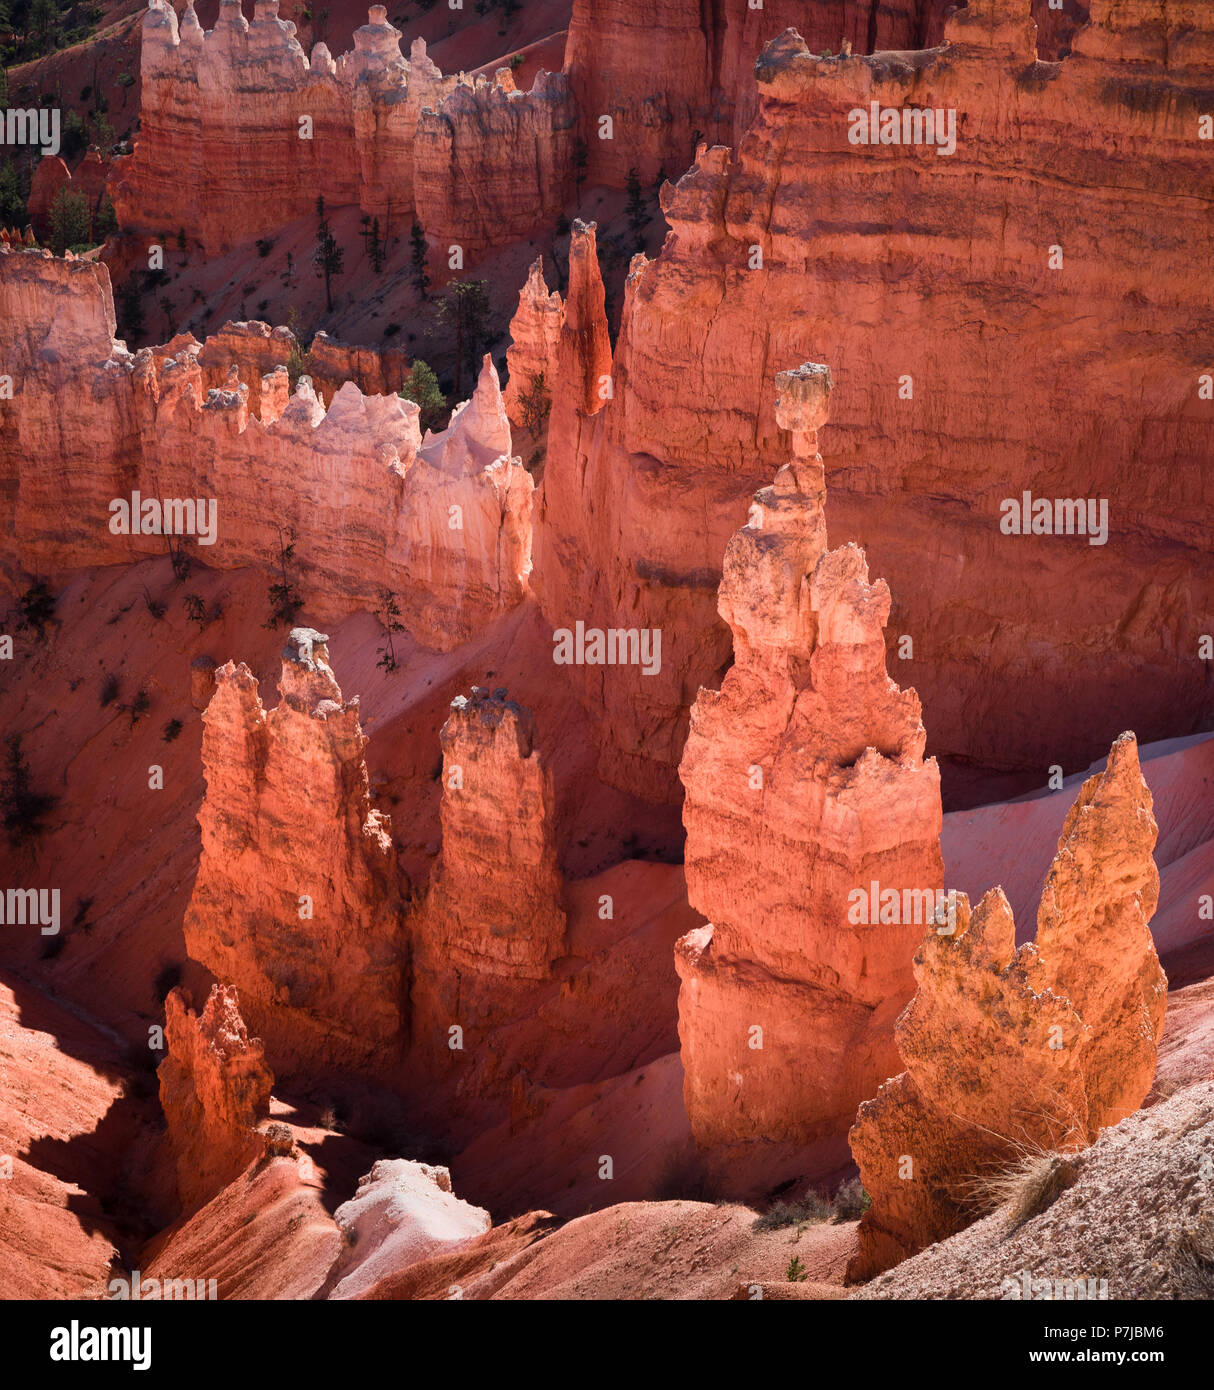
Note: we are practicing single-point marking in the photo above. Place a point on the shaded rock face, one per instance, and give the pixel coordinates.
(241, 109)
(445, 524)
(1010, 1051)
(492, 164)
(51, 175)
(805, 786)
(492, 922)
(1029, 650)
(257, 350)
(679, 69)
(298, 900)
(215, 1091)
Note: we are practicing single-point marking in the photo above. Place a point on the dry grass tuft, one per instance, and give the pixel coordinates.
(1026, 1187)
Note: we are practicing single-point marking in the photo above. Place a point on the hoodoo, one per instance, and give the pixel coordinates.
(215, 1091)
(804, 778)
(492, 922)
(1013, 1053)
(298, 900)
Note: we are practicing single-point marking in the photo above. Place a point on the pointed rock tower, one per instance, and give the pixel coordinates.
(535, 335)
(214, 1090)
(492, 922)
(1013, 1054)
(298, 897)
(813, 832)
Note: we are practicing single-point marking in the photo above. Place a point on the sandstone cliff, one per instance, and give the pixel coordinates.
(493, 164)
(805, 787)
(677, 71)
(242, 108)
(1011, 1053)
(932, 282)
(443, 524)
(215, 1091)
(298, 901)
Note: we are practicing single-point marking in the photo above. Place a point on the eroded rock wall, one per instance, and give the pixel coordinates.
(240, 132)
(492, 922)
(445, 524)
(973, 366)
(214, 1090)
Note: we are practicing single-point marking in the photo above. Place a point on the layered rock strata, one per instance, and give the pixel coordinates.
(1013, 1053)
(949, 281)
(241, 107)
(444, 524)
(680, 71)
(806, 793)
(298, 900)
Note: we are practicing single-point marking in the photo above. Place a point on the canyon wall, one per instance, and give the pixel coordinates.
(477, 161)
(240, 133)
(255, 350)
(445, 525)
(805, 784)
(679, 71)
(298, 901)
(1016, 1055)
(998, 322)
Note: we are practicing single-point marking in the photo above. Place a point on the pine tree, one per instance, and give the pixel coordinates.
(535, 404)
(421, 387)
(132, 313)
(389, 617)
(465, 305)
(328, 258)
(106, 223)
(70, 221)
(12, 199)
(421, 280)
(581, 159)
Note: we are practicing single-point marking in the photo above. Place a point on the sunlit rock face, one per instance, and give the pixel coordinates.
(806, 788)
(444, 524)
(1013, 1051)
(240, 132)
(972, 365)
(298, 901)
